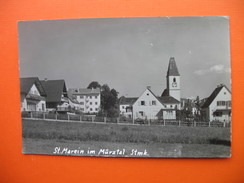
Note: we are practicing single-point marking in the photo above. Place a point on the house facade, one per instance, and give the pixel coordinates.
(149, 106)
(125, 106)
(88, 99)
(33, 96)
(218, 105)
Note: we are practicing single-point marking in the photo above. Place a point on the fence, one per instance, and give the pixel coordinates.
(97, 119)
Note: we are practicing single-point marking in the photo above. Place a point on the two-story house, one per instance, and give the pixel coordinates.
(218, 105)
(33, 95)
(57, 98)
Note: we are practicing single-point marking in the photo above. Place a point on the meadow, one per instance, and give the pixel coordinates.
(193, 141)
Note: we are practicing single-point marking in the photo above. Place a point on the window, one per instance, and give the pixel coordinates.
(90, 109)
(174, 80)
(82, 109)
(217, 114)
(81, 96)
(142, 102)
(90, 103)
(228, 103)
(147, 94)
(221, 103)
(123, 107)
(141, 113)
(96, 109)
(96, 103)
(95, 97)
(153, 102)
(43, 107)
(90, 97)
(82, 103)
(171, 106)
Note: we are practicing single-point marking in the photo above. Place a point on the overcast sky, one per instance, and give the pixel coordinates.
(128, 54)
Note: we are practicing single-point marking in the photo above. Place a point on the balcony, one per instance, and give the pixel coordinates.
(62, 109)
(34, 97)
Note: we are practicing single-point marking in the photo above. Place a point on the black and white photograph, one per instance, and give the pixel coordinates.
(145, 87)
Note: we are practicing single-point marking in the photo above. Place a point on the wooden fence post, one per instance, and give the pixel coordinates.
(209, 124)
(117, 120)
(164, 122)
(224, 124)
(56, 116)
(92, 118)
(43, 115)
(31, 116)
(179, 122)
(195, 124)
(80, 117)
(68, 117)
(105, 119)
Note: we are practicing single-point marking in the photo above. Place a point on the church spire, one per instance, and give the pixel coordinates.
(172, 68)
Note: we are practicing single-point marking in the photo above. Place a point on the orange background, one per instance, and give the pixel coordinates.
(16, 167)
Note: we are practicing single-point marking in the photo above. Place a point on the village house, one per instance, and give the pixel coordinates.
(89, 99)
(218, 105)
(125, 106)
(57, 98)
(33, 95)
(149, 106)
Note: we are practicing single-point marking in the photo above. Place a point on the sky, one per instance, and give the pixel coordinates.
(128, 54)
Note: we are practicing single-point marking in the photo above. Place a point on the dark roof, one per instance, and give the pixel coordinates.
(165, 93)
(84, 91)
(27, 83)
(167, 100)
(127, 100)
(213, 95)
(54, 89)
(172, 68)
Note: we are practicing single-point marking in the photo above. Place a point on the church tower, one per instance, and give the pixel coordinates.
(173, 80)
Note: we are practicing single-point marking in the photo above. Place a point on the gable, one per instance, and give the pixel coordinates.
(215, 93)
(27, 83)
(147, 96)
(54, 89)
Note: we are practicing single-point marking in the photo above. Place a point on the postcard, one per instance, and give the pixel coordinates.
(140, 87)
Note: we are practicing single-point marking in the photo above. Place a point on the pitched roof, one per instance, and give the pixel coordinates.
(27, 83)
(165, 93)
(213, 95)
(172, 68)
(54, 89)
(84, 91)
(168, 100)
(127, 100)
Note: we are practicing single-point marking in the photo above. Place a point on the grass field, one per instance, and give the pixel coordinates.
(41, 137)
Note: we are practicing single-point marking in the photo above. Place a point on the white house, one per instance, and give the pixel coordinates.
(33, 95)
(149, 106)
(125, 106)
(89, 99)
(218, 105)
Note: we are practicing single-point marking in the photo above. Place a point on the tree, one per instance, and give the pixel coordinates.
(94, 85)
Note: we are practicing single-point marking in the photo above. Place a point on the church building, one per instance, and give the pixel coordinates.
(148, 106)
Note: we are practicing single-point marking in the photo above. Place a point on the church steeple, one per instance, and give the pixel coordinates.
(172, 68)
(173, 80)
